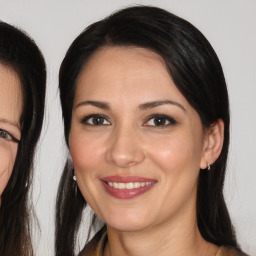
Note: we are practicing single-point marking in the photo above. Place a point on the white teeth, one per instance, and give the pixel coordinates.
(120, 185)
(129, 185)
(136, 184)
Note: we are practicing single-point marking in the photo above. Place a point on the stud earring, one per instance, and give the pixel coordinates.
(74, 176)
(74, 181)
(208, 166)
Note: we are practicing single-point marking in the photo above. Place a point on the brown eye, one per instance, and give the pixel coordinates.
(7, 136)
(96, 120)
(160, 121)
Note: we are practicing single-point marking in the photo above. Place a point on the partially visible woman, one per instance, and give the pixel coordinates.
(146, 119)
(22, 96)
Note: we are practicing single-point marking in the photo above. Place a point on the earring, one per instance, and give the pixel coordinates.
(74, 176)
(74, 181)
(208, 166)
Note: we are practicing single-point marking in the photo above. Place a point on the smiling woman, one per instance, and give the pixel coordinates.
(22, 93)
(136, 146)
(10, 112)
(146, 120)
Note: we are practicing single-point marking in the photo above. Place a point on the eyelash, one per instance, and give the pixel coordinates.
(162, 118)
(85, 119)
(103, 118)
(7, 136)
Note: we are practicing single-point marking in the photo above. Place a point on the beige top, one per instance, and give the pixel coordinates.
(98, 249)
(228, 251)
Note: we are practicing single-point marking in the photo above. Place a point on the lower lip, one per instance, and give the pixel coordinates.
(126, 193)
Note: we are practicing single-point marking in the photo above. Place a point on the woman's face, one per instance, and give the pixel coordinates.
(10, 112)
(136, 143)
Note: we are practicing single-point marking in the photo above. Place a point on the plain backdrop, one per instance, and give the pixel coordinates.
(230, 26)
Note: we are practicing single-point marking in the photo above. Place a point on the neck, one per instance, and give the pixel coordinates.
(173, 237)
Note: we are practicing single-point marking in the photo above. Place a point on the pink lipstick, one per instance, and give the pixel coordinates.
(127, 187)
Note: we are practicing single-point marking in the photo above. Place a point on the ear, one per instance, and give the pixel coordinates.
(213, 143)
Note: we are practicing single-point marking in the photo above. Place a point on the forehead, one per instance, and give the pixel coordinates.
(10, 94)
(121, 74)
(132, 59)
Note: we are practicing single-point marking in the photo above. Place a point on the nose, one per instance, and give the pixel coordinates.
(125, 148)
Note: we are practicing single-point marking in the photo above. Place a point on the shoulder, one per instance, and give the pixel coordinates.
(229, 251)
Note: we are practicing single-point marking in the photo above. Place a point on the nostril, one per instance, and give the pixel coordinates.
(131, 163)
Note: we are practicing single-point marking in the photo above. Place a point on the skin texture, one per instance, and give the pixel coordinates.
(10, 113)
(129, 143)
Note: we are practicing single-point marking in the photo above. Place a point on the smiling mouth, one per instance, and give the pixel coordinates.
(127, 187)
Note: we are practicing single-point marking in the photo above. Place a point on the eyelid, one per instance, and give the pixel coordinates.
(171, 120)
(12, 137)
(87, 117)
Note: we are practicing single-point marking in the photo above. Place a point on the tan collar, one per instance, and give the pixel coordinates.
(223, 251)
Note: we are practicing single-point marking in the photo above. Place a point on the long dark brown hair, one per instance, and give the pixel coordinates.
(197, 73)
(19, 52)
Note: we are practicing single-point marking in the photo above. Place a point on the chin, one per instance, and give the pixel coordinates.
(127, 223)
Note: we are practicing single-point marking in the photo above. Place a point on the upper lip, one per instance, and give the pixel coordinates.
(126, 179)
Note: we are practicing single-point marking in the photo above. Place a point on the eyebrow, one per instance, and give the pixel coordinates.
(154, 104)
(3, 120)
(97, 104)
(144, 106)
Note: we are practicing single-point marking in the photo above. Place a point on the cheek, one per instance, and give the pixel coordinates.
(85, 151)
(177, 155)
(178, 159)
(7, 158)
(87, 156)
(169, 150)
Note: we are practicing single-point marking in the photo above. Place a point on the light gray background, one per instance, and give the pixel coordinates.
(230, 26)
